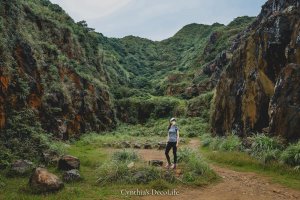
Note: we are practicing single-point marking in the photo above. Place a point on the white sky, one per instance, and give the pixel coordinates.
(155, 19)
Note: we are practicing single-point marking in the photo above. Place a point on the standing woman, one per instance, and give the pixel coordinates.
(172, 142)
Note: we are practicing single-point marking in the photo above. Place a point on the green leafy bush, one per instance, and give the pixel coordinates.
(216, 143)
(231, 143)
(206, 140)
(24, 138)
(200, 106)
(2, 183)
(291, 155)
(265, 148)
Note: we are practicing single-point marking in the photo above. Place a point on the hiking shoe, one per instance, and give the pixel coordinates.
(167, 166)
(173, 166)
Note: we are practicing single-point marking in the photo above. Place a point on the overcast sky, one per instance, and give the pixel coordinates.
(155, 19)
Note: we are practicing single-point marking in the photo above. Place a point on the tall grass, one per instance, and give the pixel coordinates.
(115, 172)
(291, 155)
(265, 148)
(195, 169)
(229, 143)
(125, 155)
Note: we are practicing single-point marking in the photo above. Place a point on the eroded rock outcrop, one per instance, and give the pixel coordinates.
(260, 87)
(47, 65)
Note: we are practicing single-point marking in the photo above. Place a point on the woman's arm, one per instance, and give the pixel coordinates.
(167, 138)
(177, 138)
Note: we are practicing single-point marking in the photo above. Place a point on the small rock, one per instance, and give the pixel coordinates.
(139, 177)
(130, 165)
(276, 191)
(20, 167)
(71, 175)
(266, 130)
(156, 162)
(68, 162)
(50, 158)
(147, 146)
(162, 145)
(125, 144)
(117, 145)
(105, 144)
(137, 146)
(108, 145)
(43, 181)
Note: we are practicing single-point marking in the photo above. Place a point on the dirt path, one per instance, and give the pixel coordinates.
(234, 185)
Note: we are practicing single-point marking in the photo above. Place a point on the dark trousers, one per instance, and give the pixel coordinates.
(168, 148)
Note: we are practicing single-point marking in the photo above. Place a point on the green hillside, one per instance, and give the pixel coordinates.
(73, 80)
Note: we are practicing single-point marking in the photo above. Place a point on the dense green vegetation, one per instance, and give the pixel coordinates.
(147, 82)
(259, 153)
(264, 148)
(105, 171)
(241, 161)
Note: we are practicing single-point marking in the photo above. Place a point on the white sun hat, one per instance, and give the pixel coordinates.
(172, 119)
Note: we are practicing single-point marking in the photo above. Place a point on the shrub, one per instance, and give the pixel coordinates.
(291, 155)
(183, 154)
(194, 167)
(197, 165)
(116, 172)
(231, 143)
(24, 137)
(6, 156)
(200, 106)
(216, 143)
(146, 174)
(265, 148)
(125, 155)
(2, 184)
(206, 140)
(113, 171)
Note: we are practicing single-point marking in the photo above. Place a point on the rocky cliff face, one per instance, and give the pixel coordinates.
(259, 90)
(52, 66)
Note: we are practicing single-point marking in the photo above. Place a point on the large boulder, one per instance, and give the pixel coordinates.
(20, 167)
(43, 181)
(68, 162)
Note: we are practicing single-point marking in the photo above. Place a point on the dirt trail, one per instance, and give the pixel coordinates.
(234, 185)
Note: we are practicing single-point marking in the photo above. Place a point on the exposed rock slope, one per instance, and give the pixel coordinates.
(260, 87)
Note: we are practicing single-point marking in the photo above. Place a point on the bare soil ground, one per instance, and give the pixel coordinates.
(233, 186)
